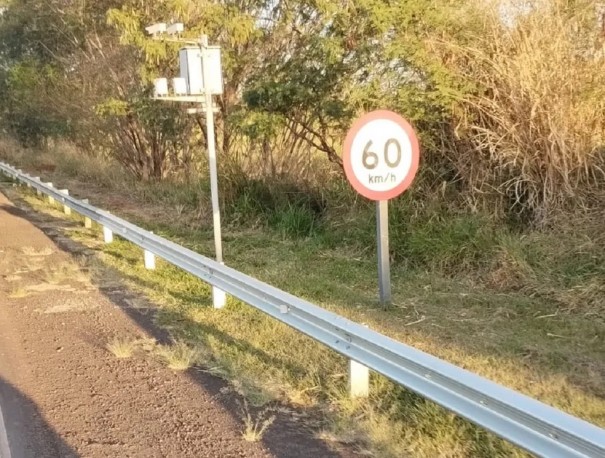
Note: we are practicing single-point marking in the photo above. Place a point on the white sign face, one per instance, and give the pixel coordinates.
(381, 155)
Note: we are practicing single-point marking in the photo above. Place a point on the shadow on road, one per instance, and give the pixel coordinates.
(286, 438)
(28, 433)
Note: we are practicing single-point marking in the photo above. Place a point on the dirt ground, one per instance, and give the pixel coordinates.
(63, 394)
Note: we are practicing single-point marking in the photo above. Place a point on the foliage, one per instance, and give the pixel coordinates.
(291, 210)
(535, 132)
(349, 57)
(507, 99)
(26, 110)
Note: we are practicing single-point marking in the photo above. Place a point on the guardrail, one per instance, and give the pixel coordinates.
(530, 424)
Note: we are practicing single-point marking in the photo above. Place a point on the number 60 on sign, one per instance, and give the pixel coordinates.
(381, 155)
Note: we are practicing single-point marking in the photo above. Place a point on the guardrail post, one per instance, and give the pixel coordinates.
(219, 297)
(359, 380)
(87, 220)
(38, 192)
(51, 200)
(149, 260)
(107, 235)
(66, 209)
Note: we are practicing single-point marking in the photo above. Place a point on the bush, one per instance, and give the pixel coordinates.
(292, 209)
(535, 130)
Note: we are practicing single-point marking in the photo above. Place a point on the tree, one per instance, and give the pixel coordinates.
(345, 58)
(68, 75)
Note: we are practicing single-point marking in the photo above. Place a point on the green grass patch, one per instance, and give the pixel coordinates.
(509, 338)
(288, 209)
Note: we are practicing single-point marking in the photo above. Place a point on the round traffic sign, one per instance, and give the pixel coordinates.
(381, 155)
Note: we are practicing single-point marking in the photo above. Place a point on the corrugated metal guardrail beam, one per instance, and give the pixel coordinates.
(530, 424)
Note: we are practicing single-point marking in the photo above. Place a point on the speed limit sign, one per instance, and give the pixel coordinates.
(381, 155)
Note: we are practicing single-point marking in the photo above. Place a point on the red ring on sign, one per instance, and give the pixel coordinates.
(407, 181)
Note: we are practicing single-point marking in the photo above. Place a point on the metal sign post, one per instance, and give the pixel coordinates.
(384, 261)
(381, 157)
(218, 296)
(200, 78)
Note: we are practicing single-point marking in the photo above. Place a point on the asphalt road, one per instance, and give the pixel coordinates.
(63, 394)
(4, 450)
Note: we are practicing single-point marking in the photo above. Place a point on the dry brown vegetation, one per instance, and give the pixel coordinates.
(537, 126)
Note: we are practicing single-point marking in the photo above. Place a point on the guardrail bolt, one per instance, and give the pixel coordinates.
(359, 380)
(66, 209)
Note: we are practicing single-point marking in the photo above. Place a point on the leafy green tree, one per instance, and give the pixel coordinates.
(345, 58)
(69, 75)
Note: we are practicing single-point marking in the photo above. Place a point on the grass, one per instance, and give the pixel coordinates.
(65, 272)
(523, 309)
(19, 293)
(255, 426)
(179, 356)
(506, 336)
(534, 134)
(31, 251)
(121, 348)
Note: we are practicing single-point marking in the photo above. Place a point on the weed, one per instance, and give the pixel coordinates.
(442, 240)
(121, 348)
(65, 272)
(31, 251)
(292, 211)
(250, 390)
(255, 427)
(19, 293)
(294, 221)
(179, 356)
(554, 156)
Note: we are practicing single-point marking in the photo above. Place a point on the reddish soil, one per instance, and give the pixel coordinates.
(64, 394)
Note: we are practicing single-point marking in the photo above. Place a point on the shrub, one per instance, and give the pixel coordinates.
(535, 131)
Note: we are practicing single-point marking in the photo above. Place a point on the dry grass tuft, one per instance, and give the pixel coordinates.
(179, 356)
(255, 426)
(19, 293)
(31, 251)
(65, 272)
(121, 348)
